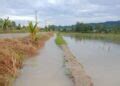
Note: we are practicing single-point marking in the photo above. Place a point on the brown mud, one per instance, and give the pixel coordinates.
(77, 72)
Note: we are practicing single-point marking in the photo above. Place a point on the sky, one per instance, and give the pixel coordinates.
(60, 12)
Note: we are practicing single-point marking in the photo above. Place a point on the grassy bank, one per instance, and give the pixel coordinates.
(99, 36)
(74, 69)
(13, 52)
(59, 40)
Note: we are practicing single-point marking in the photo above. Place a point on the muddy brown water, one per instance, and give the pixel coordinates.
(101, 59)
(46, 69)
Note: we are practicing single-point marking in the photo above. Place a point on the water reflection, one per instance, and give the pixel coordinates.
(100, 58)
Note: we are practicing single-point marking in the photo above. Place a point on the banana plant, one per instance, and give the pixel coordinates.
(33, 30)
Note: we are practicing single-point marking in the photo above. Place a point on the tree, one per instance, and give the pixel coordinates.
(33, 30)
(5, 24)
(13, 24)
(81, 27)
(19, 26)
(51, 27)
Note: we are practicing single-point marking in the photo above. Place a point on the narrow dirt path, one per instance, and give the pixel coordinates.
(79, 76)
(46, 69)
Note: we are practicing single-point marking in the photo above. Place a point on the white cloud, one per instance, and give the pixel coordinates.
(61, 11)
(52, 1)
(21, 18)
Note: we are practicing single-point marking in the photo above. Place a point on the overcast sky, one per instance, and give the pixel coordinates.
(61, 12)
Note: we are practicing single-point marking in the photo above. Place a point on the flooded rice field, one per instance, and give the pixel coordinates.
(101, 59)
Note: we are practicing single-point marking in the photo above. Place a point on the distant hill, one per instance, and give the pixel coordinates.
(108, 23)
(112, 23)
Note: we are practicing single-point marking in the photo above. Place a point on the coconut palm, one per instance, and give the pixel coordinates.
(32, 30)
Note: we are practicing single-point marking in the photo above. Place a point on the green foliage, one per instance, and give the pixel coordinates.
(5, 24)
(51, 27)
(33, 30)
(9, 26)
(19, 27)
(59, 40)
(81, 27)
(106, 27)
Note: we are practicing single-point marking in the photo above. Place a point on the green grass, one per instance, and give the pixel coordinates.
(59, 40)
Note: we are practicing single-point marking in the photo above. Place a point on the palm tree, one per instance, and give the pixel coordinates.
(33, 30)
(5, 24)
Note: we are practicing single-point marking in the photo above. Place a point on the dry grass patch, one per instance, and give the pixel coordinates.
(13, 52)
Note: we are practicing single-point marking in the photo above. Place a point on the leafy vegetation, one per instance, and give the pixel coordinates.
(59, 40)
(8, 26)
(33, 30)
(5, 24)
(106, 27)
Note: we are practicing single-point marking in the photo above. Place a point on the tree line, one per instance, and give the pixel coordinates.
(7, 25)
(107, 27)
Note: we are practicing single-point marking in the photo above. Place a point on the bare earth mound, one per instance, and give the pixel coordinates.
(78, 75)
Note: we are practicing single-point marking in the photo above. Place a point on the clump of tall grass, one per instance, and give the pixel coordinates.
(59, 40)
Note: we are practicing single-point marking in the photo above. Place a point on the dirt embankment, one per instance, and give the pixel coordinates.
(77, 73)
(12, 54)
